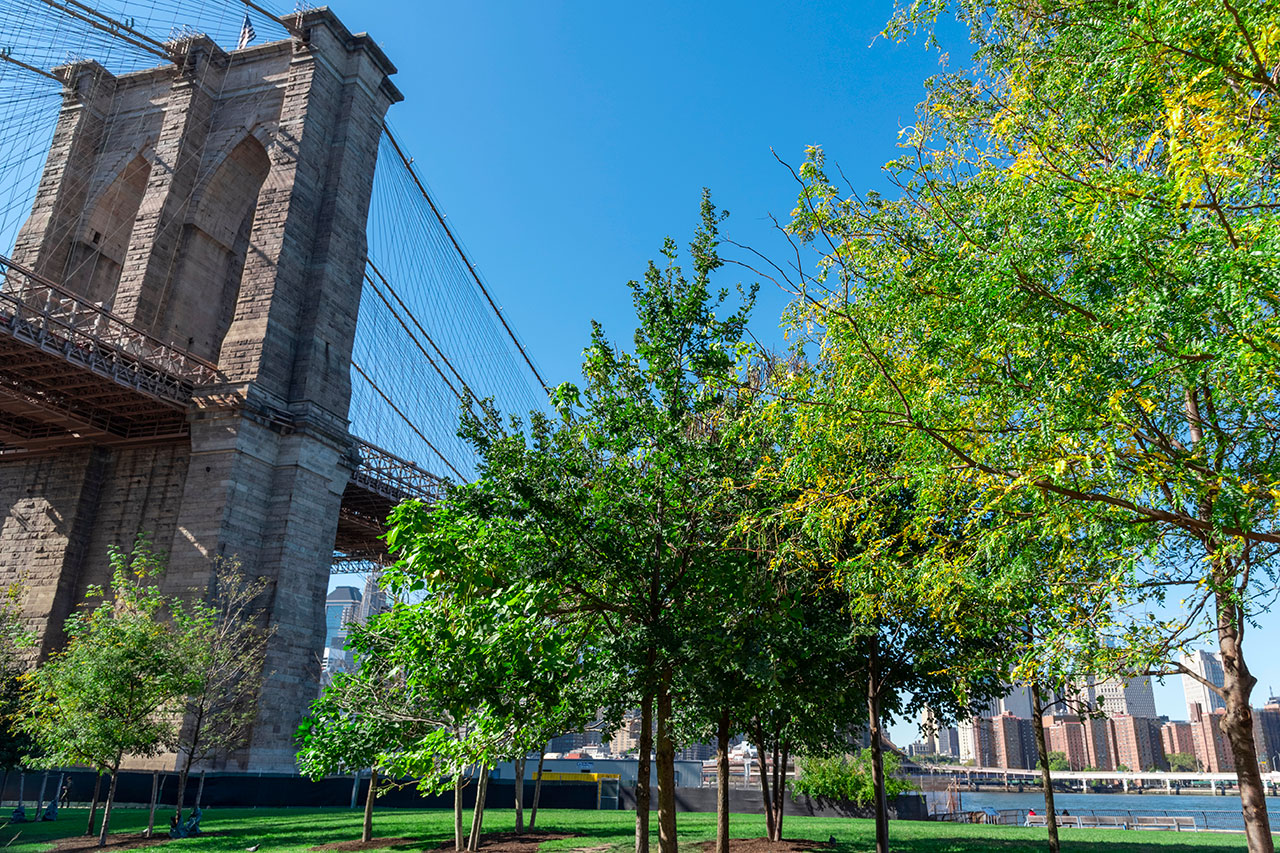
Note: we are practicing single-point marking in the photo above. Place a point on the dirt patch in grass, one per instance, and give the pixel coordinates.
(373, 844)
(764, 845)
(510, 842)
(115, 841)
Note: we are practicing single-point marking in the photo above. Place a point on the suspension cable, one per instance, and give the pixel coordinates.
(454, 240)
(405, 418)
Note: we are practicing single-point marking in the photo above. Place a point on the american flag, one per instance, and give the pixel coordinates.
(246, 33)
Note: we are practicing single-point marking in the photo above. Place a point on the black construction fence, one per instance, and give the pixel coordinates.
(251, 790)
(266, 790)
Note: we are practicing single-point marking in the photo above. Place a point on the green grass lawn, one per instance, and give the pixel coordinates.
(289, 830)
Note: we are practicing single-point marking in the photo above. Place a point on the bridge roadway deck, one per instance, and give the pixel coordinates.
(72, 372)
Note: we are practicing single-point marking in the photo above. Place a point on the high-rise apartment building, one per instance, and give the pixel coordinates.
(1266, 734)
(1176, 737)
(1212, 751)
(1013, 742)
(627, 738)
(1137, 743)
(1208, 666)
(1097, 744)
(976, 742)
(1066, 735)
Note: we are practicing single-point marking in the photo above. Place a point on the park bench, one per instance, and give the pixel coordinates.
(1178, 824)
(1112, 821)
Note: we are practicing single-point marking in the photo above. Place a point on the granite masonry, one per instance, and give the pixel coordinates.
(218, 203)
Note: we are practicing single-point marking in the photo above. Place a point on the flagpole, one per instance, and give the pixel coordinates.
(281, 19)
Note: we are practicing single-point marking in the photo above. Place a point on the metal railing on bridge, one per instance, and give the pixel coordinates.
(47, 316)
(395, 479)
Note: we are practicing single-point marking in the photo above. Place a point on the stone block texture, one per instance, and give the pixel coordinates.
(218, 203)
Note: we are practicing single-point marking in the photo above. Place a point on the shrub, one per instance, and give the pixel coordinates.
(848, 778)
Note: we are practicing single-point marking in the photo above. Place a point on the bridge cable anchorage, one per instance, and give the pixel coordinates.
(115, 28)
(470, 267)
(405, 418)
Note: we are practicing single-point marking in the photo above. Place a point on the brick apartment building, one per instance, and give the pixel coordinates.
(1212, 751)
(1176, 737)
(1137, 743)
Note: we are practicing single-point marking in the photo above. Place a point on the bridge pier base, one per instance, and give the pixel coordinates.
(269, 499)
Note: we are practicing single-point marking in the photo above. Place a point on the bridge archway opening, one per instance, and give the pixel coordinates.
(101, 239)
(202, 294)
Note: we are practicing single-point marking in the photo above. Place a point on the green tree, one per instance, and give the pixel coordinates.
(623, 489)
(1058, 761)
(782, 665)
(1182, 762)
(852, 524)
(224, 648)
(342, 734)
(1070, 305)
(15, 644)
(116, 688)
(465, 670)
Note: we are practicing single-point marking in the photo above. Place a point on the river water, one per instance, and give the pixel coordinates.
(1221, 812)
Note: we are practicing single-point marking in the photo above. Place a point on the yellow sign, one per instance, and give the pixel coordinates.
(577, 777)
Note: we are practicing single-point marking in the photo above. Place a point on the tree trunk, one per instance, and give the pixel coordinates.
(780, 792)
(666, 772)
(877, 763)
(773, 800)
(366, 833)
(1237, 726)
(1046, 779)
(722, 783)
(106, 808)
(93, 808)
(477, 816)
(183, 775)
(458, 785)
(151, 810)
(200, 791)
(537, 791)
(44, 783)
(764, 782)
(642, 774)
(519, 794)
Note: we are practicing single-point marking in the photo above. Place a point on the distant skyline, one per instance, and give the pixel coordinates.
(565, 140)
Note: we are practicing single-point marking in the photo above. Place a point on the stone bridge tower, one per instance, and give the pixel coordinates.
(217, 204)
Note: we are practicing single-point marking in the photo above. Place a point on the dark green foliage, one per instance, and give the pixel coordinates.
(849, 778)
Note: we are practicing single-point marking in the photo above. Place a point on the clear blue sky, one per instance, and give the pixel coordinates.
(565, 140)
